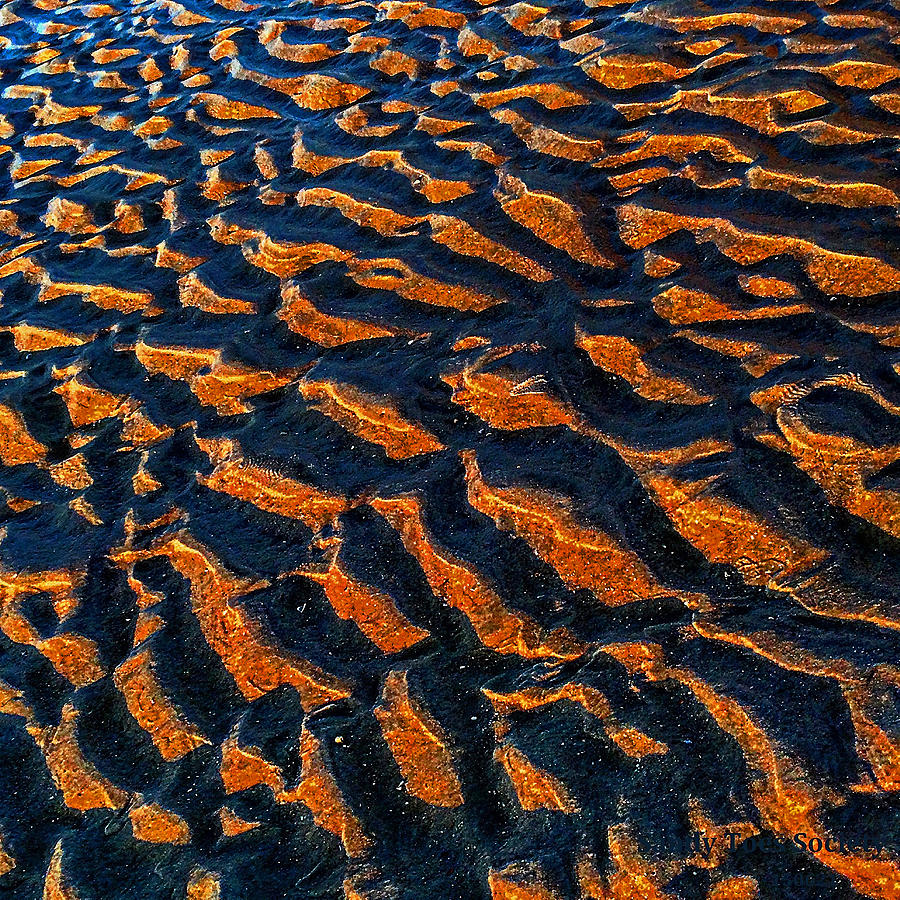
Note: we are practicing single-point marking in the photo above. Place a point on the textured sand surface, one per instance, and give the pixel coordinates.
(449, 451)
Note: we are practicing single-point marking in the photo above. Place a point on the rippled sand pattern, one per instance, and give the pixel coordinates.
(448, 451)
